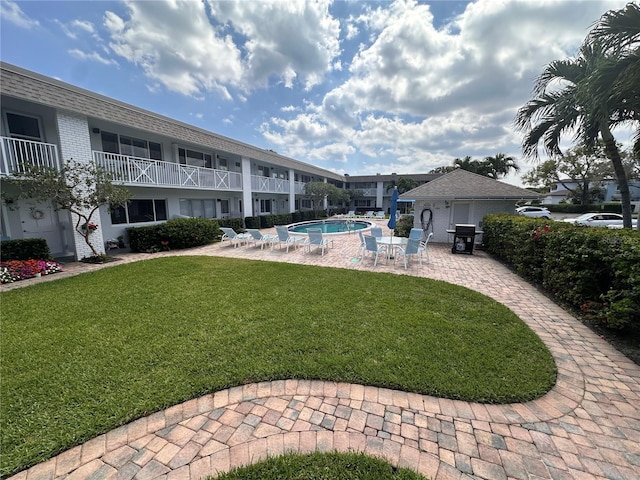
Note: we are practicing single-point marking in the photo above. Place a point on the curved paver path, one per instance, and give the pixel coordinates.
(587, 427)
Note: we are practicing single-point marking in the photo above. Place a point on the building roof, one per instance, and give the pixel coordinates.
(31, 86)
(463, 185)
(418, 177)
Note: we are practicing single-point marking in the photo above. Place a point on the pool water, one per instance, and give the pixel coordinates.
(331, 226)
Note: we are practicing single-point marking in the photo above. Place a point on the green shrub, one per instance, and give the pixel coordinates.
(178, 233)
(403, 226)
(595, 270)
(25, 249)
(235, 223)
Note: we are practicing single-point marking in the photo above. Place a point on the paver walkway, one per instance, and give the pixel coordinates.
(587, 427)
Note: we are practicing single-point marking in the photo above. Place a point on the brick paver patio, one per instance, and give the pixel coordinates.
(587, 427)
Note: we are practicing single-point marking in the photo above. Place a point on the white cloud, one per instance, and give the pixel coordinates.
(415, 90)
(92, 56)
(11, 12)
(198, 47)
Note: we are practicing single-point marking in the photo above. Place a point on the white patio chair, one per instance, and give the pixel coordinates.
(424, 246)
(284, 237)
(380, 215)
(369, 214)
(415, 233)
(234, 238)
(259, 238)
(371, 245)
(315, 239)
(413, 248)
(376, 232)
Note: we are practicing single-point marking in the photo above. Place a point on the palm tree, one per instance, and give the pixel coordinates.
(500, 165)
(566, 103)
(618, 31)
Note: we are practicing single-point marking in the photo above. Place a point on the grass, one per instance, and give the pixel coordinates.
(82, 355)
(321, 466)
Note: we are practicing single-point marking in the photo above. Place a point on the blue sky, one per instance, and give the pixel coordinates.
(357, 87)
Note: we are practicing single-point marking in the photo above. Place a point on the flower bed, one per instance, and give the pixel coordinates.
(14, 270)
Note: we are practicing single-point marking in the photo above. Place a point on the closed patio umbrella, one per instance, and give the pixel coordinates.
(394, 208)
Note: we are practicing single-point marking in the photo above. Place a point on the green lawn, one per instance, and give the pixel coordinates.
(321, 466)
(82, 355)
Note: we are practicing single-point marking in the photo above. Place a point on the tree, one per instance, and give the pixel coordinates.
(566, 103)
(317, 191)
(499, 166)
(404, 184)
(445, 169)
(80, 188)
(470, 165)
(578, 166)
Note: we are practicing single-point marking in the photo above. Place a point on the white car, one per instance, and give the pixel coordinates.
(597, 220)
(531, 211)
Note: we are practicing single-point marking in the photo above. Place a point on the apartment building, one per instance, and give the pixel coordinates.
(171, 168)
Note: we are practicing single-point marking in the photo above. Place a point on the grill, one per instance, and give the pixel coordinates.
(464, 238)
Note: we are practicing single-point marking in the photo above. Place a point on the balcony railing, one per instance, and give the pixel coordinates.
(143, 171)
(269, 185)
(19, 154)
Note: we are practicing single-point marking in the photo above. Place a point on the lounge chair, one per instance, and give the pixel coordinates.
(351, 214)
(236, 239)
(413, 248)
(315, 239)
(371, 245)
(369, 214)
(284, 237)
(259, 238)
(380, 215)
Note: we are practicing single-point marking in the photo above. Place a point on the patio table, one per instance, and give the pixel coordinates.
(392, 243)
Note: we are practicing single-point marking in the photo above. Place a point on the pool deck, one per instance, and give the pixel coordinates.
(586, 427)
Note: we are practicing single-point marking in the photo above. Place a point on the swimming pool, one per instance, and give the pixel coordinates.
(331, 226)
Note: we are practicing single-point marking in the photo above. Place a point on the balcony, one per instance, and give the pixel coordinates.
(136, 171)
(261, 184)
(19, 154)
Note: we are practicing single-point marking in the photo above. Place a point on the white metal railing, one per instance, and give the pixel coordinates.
(144, 171)
(18, 154)
(269, 185)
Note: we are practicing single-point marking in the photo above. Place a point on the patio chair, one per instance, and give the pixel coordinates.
(351, 214)
(424, 246)
(234, 238)
(315, 239)
(369, 214)
(376, 232)
(413, 248)
(371, 245)
(415, 233)
(363, 246)
(284, 237)
(380, 215)
(259, 238)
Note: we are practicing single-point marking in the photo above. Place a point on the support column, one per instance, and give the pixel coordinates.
(75, 143)
(247, 200)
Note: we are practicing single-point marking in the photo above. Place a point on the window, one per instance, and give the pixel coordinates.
(197, 207)
(134, 147)
(224, 207)
(24, 128)
(265, 205)
(139, 211)
(362, 202)
(195, 158)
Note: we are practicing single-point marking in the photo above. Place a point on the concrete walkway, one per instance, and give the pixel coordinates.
(587, 427)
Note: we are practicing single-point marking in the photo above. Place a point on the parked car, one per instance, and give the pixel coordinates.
(597, 220)
(531, 211)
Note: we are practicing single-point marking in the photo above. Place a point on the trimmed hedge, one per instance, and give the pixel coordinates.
(612, 207)
(25, 249)
(596, 270)
(174, 234)
(269, 221)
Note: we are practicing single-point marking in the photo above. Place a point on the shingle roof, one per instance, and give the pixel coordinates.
(31, 86)
(463, 185)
